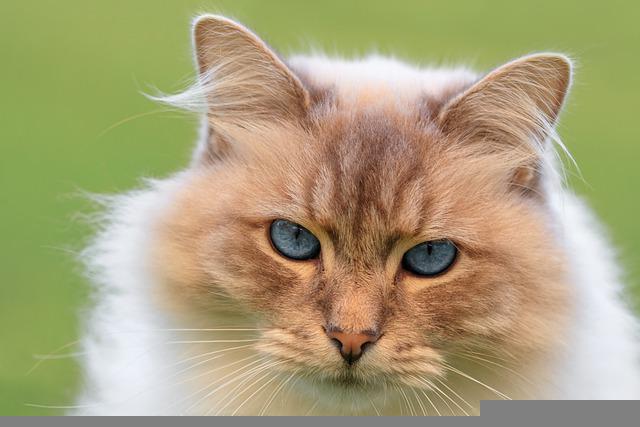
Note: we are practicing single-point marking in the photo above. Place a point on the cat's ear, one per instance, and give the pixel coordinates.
(246, 84)
(515, 107)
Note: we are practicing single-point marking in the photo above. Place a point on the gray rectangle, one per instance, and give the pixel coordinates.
(493, 414)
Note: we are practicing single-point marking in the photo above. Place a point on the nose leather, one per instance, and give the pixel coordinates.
(351, 345)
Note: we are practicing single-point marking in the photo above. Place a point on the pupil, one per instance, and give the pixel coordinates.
(429, 248)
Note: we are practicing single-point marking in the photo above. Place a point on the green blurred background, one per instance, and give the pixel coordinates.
(72, 118)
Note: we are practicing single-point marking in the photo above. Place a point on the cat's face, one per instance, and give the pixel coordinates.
(369, 182)
(369, 188)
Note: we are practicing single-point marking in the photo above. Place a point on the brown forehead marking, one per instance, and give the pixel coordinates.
(366, 164)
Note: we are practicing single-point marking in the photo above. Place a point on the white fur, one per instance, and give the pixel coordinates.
(130, 368)
(351, 78)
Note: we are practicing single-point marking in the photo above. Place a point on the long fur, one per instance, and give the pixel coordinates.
(182, 326)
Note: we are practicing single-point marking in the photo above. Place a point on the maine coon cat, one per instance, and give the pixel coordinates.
(356, 237)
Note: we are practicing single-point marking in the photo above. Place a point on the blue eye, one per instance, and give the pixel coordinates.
(293, 240)
(430, 258)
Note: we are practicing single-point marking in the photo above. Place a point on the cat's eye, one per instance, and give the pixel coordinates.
(293, 240)
(430, 258)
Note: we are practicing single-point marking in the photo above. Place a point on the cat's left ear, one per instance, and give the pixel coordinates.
(515, 107)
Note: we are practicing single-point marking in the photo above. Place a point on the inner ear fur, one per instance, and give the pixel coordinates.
(512, 110)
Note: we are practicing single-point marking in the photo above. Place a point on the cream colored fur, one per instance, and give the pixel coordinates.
(135, 363)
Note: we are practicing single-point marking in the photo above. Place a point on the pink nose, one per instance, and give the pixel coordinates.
(351, 346)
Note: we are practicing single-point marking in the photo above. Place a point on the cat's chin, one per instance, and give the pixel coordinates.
(350, 381)
(352, 391)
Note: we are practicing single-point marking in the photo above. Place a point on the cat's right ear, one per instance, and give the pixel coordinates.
(246, 85)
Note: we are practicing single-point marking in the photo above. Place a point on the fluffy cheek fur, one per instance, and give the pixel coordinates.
(505, 294)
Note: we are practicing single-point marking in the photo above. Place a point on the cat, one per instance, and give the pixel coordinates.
(356, 238)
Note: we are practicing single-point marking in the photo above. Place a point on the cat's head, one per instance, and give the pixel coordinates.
(373, 232)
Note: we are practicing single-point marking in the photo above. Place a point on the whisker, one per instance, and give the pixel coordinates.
(439, 392)
(475, 380)
(411, 407)
(456, 395)
(58, 356)
(275, 393)
(248, 376)
(212, 352)
(415, 393)
(505, 356)
(474, 351)
(373, 405)
(471, 357)
(433, 387)
(216, 369)
(289, 386)
(36, 405)
(211, 341)
(402, 402)
(406, 399)
(217, 356)
(316, 404)
(248, 387)
(213, 330)
(195, 365)
(268, 402)
(216, 381)
(257, 391)
(431, 402)
(226, 383)
(59, 349)
(152, 330)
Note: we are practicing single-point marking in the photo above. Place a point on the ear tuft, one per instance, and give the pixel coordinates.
(246, 84)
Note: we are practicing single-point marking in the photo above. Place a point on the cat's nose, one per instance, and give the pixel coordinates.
(352, 345)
